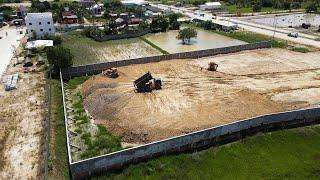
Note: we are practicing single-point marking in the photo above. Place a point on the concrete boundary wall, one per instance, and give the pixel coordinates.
(65, 119)
(98, 68)
(204, 138)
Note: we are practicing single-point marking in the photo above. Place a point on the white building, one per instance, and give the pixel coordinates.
(40, 23)
(134, 2)
(210, 6)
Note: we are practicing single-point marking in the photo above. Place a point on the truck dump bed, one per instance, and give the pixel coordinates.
(141, 81)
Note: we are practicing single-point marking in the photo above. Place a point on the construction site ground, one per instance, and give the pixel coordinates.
(22, 115)
(247, 84)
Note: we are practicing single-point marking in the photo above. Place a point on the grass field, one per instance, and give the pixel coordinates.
(285, 154)
(234, 9)
(87, 51)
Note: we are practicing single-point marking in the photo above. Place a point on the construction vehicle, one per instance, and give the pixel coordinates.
(111, 73)
(147, 83)
(212, 66)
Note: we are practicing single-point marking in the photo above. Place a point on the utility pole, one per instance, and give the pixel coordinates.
(275, 26)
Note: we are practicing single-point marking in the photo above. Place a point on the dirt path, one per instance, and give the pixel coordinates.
(22, 114)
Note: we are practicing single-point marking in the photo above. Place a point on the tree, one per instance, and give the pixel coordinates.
(173, 21)
(159, 23)
(207, 25)
(59, 57)
(34, 35)
(186, 34)
(143, 25)
(312, 7)
(175, 25)
(173, 17)
(256, 8)
(112, 4)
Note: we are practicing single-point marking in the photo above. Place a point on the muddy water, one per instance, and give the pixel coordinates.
(294, 20)
(205, 40)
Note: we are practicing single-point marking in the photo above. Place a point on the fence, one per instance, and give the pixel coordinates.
(120, 36)
(98, 68)
(204, 138)
(199, 139)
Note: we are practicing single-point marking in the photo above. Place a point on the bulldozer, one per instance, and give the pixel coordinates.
(212, 66)
(146, 83)
(111, 73)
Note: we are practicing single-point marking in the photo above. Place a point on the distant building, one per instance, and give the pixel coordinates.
(134, 3)
(96, 9)
(210, 6)
(40, 23)
(87, 3)
(21, 12)
(69, 17)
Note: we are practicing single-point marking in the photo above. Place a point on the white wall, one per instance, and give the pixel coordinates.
(41, 23)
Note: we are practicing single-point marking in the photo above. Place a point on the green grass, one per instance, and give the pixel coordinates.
(101, 143)
(154, 46)
(82, 47)
(285, 154)
(97, 142)
(234, 9)
(58, 160)
(300, 49)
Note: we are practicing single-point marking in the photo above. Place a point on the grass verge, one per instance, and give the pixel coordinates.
(58, 160)
(285, 154)
(300, 49)
(97, 138)
(154, 46)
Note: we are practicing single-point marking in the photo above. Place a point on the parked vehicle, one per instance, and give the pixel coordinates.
(293, 34)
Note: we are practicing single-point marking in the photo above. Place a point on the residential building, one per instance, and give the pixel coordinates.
(131, 3)
(40, 23)
(21, 12)
(69, 17)
(87, 3)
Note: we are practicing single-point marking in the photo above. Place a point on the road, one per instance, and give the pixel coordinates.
(260, 29)
(6, 46)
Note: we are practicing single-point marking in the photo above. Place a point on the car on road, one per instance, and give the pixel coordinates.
(293, 34)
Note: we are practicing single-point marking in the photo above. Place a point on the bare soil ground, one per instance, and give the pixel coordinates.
(22, 114)
(193, 98)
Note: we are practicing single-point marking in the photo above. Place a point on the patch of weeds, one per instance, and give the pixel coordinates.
(102, 142)
(300, 49)
(73, 83)
(78, 130)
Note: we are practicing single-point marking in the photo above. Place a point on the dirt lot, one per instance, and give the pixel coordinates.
(22, 114)
(88, 51)
(193, 98)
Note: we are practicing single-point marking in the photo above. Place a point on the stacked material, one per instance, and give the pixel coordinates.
(11, 82)
(27, 62)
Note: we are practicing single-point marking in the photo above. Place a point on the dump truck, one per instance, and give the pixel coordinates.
(212, 66)
(146, 83)
(111, 73)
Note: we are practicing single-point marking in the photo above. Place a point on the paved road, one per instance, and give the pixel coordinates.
(6, 46)
(265, 30)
